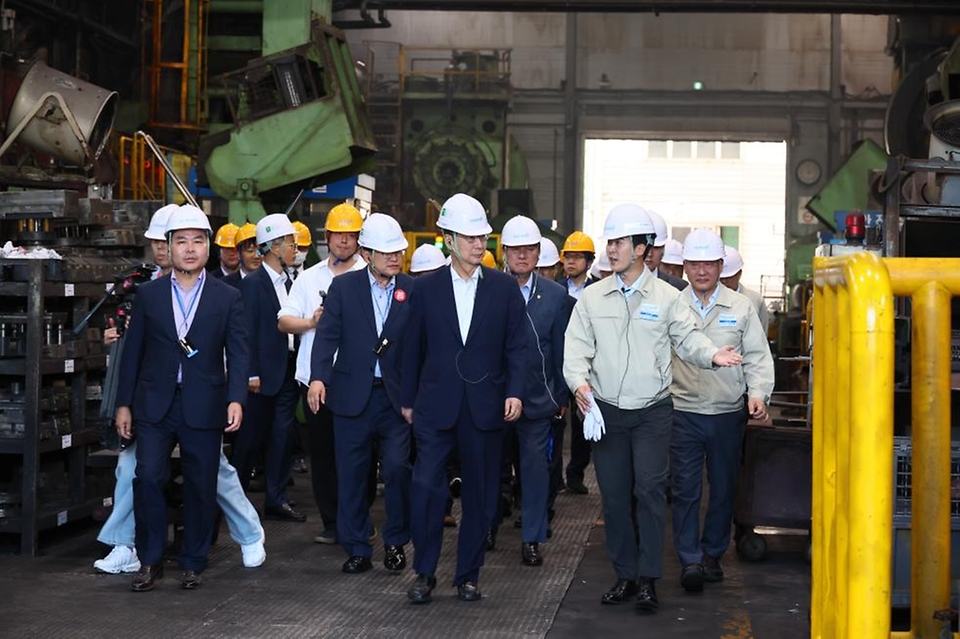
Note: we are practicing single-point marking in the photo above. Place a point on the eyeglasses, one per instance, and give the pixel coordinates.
(474, 239)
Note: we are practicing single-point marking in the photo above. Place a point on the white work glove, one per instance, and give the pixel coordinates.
(593, 426)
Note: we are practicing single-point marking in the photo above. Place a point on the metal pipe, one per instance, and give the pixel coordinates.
(157, 153)
(930, 515)
(236, 6)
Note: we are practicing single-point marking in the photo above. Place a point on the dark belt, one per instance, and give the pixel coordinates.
(377, 382)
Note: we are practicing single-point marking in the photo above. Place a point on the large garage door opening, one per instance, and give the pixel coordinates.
(735, 188)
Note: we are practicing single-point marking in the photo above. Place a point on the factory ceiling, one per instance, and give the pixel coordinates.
(876, 7)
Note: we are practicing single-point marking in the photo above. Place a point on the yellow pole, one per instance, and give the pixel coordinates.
(870, 448)
(821, 559)
(930, 521)
(841, 415)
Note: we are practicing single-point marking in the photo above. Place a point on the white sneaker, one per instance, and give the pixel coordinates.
(121, 559)
(253, 554)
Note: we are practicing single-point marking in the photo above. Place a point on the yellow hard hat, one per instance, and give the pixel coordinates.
(226, 235)
(303, 234)
(579, 242)
(344, 218)
(488, 260)
(247, 232)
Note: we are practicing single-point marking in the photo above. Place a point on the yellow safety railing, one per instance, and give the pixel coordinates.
(853, 443)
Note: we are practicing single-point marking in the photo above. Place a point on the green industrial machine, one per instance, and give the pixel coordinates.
(455, 138)
(298, 118)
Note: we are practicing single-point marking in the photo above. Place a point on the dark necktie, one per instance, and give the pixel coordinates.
(288, 283)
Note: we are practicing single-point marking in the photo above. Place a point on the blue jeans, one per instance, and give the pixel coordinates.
(242, 519)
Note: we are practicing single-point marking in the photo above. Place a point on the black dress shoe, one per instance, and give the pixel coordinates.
(394, 559)
(647, 595)
(492, 539)
(712, 570)
(189, 580)
(530, 554)
(284, 513)
(691, 578)
(621, 592)
(147, 578)
(468, 591)
(577, 488)
(421, 590)
(355, 565)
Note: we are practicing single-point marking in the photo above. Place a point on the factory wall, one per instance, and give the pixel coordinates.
(764, 77)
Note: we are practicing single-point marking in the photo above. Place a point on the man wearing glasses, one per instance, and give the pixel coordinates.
(355, 371)
(272, 400)
(463, 376)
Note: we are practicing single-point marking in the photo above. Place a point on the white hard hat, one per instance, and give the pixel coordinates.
(188, 217)
(626, 220)
(703, 245)
(273, 226)
(158, 222)
(427, 257)
(549, 255)
(602, 263)
(465, 215)
(732, 262)
(673, 253)
(520, 231)
(382, 233)
(660, 226)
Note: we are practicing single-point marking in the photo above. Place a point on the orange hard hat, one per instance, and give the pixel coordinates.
(579, 242)
(247, 232)
(344, 218)
(303, 234)
(488, 260)
(227, 235)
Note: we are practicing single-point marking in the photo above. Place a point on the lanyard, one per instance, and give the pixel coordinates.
(193, 300)
(381, 313)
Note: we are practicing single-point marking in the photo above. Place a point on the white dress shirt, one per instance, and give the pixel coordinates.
(464, 295)
(279, 281)
(303, 300)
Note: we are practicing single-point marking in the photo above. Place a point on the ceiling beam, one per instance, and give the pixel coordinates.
(875, 7)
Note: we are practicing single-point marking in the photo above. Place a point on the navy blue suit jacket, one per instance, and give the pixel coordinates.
(565, 283)
(152, 353)
(440, 372)
(348, 327)
(549, 310)
(233, 280)
(268, 346)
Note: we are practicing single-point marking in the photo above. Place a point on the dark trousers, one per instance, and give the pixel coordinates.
(631, 460)
(355, 440)
(199, 462)
(323, 461)
(716, 439)
(268, 429)
(579, 447)
(321, 448)
(555, 462)
(480, 472)
(533, 438)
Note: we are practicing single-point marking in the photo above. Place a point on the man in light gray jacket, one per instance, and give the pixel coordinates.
(618, 352)
(710, 413)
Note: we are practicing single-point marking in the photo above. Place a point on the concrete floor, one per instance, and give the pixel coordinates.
(300, 591)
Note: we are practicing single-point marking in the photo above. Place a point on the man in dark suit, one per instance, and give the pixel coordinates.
(272, 385)
(182, 326)
(226, 241)
(545, 394)
(362, 326)
(655, 254)
(462, 377)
